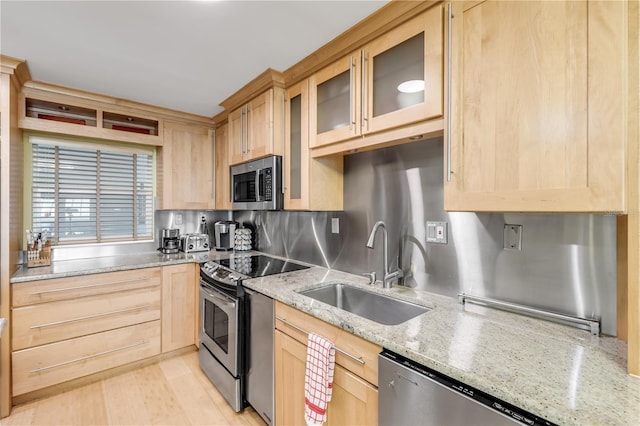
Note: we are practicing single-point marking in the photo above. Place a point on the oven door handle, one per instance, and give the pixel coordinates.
(224, 301)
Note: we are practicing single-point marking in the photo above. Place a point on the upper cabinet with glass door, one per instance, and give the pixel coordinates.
(310, 183)
(393, 81)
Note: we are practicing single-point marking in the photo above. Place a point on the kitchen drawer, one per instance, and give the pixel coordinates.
(41, 291)
(65, 319)
(345, 341)
(47, 365)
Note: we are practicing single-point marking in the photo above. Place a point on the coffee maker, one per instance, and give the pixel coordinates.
(225, 233)
(170, 241)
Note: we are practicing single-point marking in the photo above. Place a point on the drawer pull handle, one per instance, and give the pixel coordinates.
(88, 317)
(61, 364)
(88, 286)
(301, 330)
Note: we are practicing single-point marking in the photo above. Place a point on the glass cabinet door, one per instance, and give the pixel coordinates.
(296, 146)
(309, 183)
(333, 94)
(403, 75)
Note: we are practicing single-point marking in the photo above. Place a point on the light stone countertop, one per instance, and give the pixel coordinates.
(560, 373)
(557, 372)
(98, 265)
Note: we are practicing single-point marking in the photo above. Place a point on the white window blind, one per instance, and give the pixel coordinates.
(81, 194)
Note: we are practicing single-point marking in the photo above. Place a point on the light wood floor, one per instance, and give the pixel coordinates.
(171, 392)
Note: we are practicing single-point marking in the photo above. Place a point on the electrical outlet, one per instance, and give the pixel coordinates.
(177, 220)
(335, 225)
(512, 237)
(437, 232)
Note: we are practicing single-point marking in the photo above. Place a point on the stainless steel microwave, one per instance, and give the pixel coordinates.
(257, 185)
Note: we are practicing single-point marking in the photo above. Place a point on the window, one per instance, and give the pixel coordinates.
(87, 193)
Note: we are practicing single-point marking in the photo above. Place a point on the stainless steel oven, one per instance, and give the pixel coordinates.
(257, 185)
(220, 317)
(221, 337)
(227, 316)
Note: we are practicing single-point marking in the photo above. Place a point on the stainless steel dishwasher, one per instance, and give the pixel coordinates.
(411, 394)
(259, 378)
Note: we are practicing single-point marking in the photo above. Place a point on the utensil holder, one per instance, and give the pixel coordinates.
(36, 258)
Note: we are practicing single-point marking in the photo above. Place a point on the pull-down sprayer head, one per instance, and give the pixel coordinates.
(372, 236)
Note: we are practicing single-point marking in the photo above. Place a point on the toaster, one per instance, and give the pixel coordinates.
(195, 242)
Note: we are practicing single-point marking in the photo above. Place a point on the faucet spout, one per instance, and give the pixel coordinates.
(374, 230)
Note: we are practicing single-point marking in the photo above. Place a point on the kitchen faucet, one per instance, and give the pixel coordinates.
(389, 277)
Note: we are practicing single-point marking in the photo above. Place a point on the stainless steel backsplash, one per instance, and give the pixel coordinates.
(567, 263)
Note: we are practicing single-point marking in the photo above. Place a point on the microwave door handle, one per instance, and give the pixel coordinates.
(234, 190)
(259, 178)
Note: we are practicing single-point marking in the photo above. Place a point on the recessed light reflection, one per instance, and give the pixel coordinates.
(411, 86)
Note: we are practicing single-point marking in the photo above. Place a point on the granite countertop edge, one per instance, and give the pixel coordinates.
(99, 265)
(562, 374)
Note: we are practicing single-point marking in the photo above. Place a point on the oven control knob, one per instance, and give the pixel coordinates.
(210, 267)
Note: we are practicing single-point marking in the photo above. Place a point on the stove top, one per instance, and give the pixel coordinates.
(260, 265)
(229, 271)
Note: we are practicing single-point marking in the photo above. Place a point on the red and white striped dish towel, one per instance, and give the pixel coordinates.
(321, 358)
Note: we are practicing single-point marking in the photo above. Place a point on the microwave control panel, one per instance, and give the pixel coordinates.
(268, 185)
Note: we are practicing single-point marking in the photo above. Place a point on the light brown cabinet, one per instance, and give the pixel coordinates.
(256, 129)
(179, 306)
(49, 109)
(186, 167)
(42, 366)
(290, 361)
(537, 117)
(355, 395)
(310, 183)
(393, 81)
(49, 322)
(67, 328)
(222, 171)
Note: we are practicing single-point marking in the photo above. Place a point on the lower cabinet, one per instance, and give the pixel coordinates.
(178, 306)
(67, 328)
(290, 358)
(354, 400)
(58, 362)
(355, 395)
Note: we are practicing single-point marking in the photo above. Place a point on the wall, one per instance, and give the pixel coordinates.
(567, 262)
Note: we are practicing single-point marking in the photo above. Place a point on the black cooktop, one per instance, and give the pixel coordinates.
(260, 265)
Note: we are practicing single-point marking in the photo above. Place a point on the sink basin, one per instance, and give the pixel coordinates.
(376, 307)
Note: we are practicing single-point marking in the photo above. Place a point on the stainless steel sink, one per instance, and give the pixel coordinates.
(376, 307)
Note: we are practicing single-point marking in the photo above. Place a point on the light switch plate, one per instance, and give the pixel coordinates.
(512, 237)
(437, 232)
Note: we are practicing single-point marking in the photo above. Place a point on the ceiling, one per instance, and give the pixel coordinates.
(184, 55)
